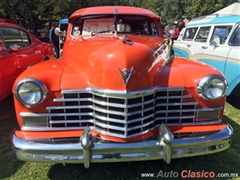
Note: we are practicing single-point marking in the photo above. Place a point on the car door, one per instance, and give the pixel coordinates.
(23, 56)
(216, 49)
(185, 46)
(232, 66)
(1, 57)
(15, 60)
(8, 71)
(201, 41)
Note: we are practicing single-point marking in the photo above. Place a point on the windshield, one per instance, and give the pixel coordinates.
(105, 24)
(235, 39)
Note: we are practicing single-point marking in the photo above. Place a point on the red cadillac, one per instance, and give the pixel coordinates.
(19, 50)
(116, 95)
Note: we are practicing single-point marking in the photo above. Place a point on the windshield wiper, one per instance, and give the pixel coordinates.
(99, 32)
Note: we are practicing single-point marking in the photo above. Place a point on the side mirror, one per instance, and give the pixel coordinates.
(215, 41)
(169, 30)
(13, 47)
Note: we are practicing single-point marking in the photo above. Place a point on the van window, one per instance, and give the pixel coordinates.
(189, 34)
(220, 34)
(235, 39)
(203, 33)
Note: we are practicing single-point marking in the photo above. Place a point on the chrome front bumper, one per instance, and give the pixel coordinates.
(87, 150)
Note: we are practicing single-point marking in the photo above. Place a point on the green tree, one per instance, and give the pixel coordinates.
(30, 14)
(196, 8)
(171, 10)
(37, 14)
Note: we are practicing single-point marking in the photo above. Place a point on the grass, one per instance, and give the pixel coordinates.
(11, 168)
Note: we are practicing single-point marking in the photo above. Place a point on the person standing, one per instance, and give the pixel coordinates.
(185, 20)
(181, 25)
(54, 39)
(174, 37)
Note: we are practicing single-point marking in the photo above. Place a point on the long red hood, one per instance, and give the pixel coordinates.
(98, 62)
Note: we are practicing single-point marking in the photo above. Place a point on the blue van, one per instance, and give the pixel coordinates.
(214, 40)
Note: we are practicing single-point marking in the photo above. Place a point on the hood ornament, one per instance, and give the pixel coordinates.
(126, 74)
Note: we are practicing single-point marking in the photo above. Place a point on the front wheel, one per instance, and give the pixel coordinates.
(234, 100)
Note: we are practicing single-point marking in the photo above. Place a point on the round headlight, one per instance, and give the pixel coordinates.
(30, 92)
(212, 87)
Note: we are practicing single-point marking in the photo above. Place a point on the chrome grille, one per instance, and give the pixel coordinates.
(122, 114)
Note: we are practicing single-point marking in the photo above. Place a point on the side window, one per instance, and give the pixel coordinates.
(12, 36)
(220, 34)
(203, 33)
(154, 28)
(189, 34)
(235, 38)
(145, 27)
(2, 48)
(25, 39)
(77, 27)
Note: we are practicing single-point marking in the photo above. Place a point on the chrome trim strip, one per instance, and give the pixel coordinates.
(178, 104)
(67, 107)
(128, 106)
(118, 135)
(122, 113)
(112, 93)
(26, 114)
(175, 117)
(104, 103)
(52, 114)
(70, 121)
(173, 97)
(121, 121)
(122, 128)
(72, 99)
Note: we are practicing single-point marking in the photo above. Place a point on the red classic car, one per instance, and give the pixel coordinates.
(116, 95)
(19, 50)
(42, 35)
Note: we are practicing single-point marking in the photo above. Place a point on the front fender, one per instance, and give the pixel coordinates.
(49, 72)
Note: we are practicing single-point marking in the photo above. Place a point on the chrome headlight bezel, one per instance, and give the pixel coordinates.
(212, 87)
(42, 89)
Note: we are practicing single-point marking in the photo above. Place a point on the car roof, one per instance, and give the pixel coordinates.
(214, 19)
(4, 24)
(7, 20)
(110, 10)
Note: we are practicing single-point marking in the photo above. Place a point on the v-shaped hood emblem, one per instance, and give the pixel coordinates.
(126, 74)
